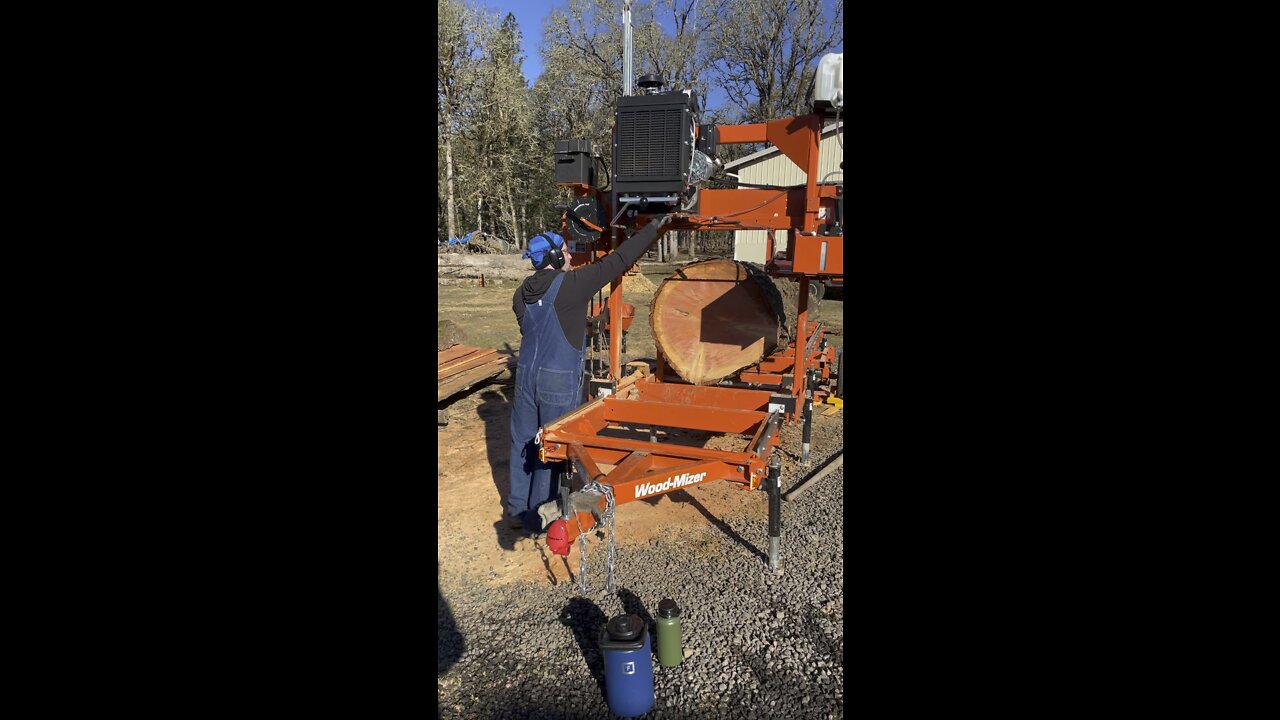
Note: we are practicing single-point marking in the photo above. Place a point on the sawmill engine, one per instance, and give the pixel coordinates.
(659, 159)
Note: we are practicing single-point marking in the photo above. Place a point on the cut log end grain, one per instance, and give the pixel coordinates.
(713, 318)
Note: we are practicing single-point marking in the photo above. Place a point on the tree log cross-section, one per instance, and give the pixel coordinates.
(713, 318)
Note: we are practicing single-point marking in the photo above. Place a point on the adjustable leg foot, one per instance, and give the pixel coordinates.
(774, 488)
(808, 417)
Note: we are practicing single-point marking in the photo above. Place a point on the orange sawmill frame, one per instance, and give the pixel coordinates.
(652, 398)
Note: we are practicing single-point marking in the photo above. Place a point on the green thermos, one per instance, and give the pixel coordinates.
(669, 652)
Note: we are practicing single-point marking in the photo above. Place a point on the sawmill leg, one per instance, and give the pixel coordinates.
(808, 419)
(774, 488)
(840, 375)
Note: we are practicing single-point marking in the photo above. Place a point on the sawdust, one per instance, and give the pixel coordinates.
(636, 288)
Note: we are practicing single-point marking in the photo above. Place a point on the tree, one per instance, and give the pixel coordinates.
(681, 60)
(764, 52)
(456, 75)
(500, 127)
(489, 176)
(497, 135)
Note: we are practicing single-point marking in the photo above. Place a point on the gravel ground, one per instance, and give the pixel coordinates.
(757, 644)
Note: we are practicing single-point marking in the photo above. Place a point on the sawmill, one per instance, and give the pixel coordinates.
(733, 356)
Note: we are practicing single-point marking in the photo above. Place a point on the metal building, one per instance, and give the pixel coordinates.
(771, 167)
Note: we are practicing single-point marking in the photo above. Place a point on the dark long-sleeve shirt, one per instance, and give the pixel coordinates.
(579, 286)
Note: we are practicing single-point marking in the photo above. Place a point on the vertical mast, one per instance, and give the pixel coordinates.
(627, 73)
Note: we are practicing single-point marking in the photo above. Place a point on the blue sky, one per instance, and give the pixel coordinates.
(530, 14)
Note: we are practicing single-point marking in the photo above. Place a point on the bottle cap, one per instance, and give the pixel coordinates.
(625, 627)
(668, 609)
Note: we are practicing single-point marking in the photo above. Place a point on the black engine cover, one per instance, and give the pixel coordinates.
(654, 143)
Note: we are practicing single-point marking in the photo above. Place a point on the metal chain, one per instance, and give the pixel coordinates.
(606, 490)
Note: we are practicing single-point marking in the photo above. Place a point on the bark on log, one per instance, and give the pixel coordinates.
(713, 318)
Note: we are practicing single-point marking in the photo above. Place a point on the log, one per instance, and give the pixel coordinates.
(713, 318)
(474, 273)
(514, 262)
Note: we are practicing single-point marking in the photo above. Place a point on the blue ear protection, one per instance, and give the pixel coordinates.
(546, 250)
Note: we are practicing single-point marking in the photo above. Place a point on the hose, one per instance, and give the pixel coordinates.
(607, 174)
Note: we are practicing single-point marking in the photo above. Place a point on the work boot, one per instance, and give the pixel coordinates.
(528, 523)
(548, 512)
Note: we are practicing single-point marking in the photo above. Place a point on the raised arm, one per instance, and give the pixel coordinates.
(586, 281)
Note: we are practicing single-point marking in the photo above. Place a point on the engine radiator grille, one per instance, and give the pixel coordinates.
(649, 143)
(653, 143)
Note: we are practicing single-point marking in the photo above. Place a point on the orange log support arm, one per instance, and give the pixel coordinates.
(754, 209)
(738, 134)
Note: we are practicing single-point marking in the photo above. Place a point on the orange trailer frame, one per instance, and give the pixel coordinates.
(760, 397)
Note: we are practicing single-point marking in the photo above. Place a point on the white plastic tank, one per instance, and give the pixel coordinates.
(829, 82)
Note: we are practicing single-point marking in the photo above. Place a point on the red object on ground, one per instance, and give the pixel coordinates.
(558, 537)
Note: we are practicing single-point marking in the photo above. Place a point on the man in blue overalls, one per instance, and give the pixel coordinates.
(551, 307)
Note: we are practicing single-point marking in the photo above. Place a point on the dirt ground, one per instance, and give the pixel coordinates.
(473, 451)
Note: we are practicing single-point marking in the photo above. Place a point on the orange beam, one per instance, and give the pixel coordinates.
(737, 134)
(720, 397)
(760, 378)
(637, 463)
(808, 255)
(750, 208)
(797, 138)
(555, 444)
(781, 365)
(672, 479)
(657, 483)
(692, 417)
(769, 209)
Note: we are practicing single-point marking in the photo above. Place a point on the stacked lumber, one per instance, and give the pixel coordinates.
(462, 366)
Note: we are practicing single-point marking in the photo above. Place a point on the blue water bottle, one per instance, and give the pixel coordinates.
(628, 666)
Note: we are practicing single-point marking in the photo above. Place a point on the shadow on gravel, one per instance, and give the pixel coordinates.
(586, 619)
(632, 605)
(548, 558)
(449, 642)
(495, 413)
(684, 497)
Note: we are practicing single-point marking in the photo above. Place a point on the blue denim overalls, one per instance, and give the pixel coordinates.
(548, 385)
